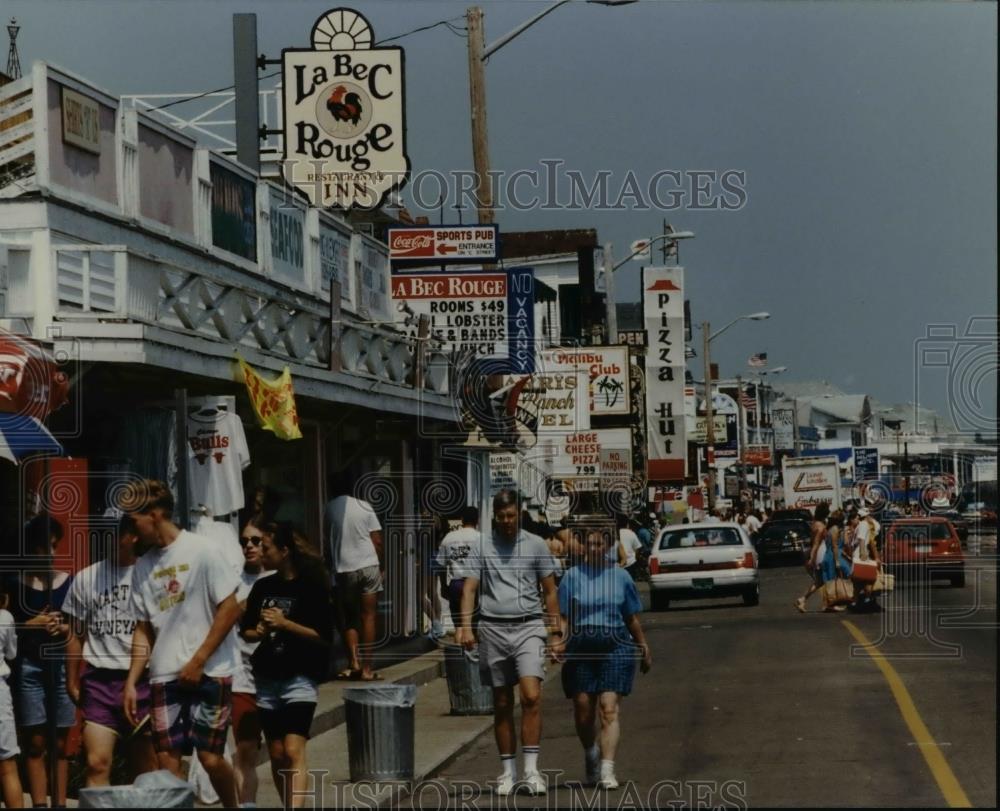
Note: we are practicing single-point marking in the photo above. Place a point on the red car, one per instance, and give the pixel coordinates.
(929, 545)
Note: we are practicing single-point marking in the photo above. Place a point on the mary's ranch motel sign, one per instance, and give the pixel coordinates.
(344, 117)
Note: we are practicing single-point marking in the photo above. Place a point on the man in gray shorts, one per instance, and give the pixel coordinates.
(508, 566)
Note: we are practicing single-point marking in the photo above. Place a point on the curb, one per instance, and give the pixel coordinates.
(330, 713)
(461, 747)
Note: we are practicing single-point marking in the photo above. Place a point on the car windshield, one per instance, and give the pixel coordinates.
(918, 533)
(682, 539)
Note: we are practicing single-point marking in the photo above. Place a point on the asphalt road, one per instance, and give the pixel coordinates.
(765, 706)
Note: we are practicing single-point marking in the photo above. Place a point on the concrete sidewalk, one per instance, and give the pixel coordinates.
(439, 738)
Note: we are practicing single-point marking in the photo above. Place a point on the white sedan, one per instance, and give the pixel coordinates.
(691, 561)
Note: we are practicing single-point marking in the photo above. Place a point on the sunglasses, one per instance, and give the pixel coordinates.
(255, 540)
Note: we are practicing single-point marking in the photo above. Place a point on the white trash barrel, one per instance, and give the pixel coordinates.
(159, 789)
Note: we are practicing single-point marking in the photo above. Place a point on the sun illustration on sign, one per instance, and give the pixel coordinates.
(341, 29)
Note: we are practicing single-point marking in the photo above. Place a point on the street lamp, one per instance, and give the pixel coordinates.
(610, 314)
(708, 336)
(478, 53)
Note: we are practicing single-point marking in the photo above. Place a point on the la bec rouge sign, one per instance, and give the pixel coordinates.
(344, 113)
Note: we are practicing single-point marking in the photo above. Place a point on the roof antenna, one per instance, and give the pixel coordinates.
(13, 60)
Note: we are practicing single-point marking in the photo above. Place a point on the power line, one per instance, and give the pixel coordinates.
(456, 30)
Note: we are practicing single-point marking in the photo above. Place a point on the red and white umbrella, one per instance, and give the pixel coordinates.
(32, 386)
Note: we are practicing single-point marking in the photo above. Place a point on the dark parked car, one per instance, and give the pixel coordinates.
(783, 540)
(791, 514)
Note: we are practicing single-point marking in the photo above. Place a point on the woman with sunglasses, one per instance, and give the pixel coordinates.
(289, 615)
(246, 719)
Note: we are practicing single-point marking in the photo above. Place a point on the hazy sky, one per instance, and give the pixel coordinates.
(866, 131)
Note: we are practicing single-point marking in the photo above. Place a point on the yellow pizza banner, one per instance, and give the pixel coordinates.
(273, 401)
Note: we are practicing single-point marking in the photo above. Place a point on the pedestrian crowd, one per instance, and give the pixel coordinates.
(164, 643)
(844, 561)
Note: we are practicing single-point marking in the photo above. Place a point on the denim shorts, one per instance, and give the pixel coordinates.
(29, 695)
(273, 694)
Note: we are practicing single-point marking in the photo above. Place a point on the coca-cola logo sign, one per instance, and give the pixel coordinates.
(412, 243)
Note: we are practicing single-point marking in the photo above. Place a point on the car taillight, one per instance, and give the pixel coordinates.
(747, 562)
(654, 565)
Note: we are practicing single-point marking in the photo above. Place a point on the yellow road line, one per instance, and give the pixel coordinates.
(952, 790)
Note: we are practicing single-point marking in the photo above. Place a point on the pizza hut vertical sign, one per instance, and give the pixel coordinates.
(344, 131)
(663, 312)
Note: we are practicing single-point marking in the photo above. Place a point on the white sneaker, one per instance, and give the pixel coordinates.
(535, 783)
(608, 779)
(505, 785)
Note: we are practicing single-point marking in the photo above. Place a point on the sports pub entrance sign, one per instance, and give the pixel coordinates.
(344, 116)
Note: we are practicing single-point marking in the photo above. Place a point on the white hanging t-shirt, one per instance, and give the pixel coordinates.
(178, 590)
(217, 456)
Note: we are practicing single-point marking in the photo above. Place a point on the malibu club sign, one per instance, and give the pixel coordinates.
(344, 132)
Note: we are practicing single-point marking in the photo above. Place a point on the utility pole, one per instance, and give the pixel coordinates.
(795, 426)
(741, 416)
(246, 100)
(709, 417)
(477, 104)
(611, 314)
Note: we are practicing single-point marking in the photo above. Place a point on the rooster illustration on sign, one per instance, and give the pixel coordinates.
(344, 106)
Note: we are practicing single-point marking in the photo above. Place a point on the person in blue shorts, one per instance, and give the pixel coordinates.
(599, 612)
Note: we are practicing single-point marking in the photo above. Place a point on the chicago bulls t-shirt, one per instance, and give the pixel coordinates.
(217, 455)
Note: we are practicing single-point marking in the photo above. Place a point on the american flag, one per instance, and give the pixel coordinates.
(760, 359)
(749, 402)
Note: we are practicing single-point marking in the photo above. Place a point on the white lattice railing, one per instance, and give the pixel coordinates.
(111, 282)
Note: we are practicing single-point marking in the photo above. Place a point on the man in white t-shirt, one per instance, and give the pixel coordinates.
(99, 608)
(867, 531)
(184, 603)
(354, 550)
(451, 556)
(751, 524)
(630, 545)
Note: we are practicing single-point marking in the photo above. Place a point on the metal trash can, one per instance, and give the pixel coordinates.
(466, 691)
(380, 731)
(159, 789)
